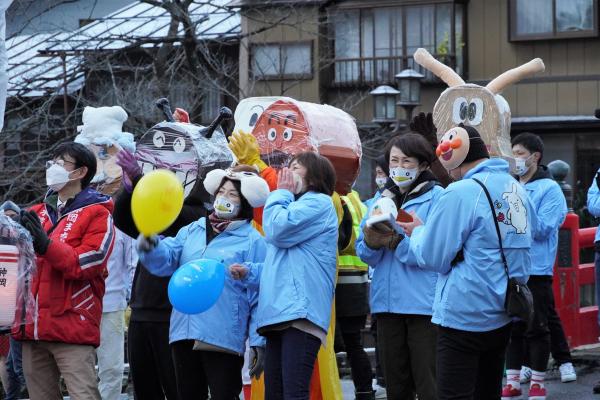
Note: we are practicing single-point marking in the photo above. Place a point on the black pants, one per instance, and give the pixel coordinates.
(378, 370)
(559, 347)
(150, 361)
(470, 364)
(350, 329)
(197, 372)
(535, 338)
(407, 346)
(289, 362)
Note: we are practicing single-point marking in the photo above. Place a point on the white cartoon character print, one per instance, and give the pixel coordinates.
(517, 213)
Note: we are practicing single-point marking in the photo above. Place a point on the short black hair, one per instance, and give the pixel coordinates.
(532, 142)
(382, 163)
(412, 145)
(320, 174)
(82, 156)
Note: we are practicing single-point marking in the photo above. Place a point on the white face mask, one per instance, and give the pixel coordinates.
(380, 181)
(57, 177)
(521, 166)
(299, 184)
(403, 177)
(225, 208)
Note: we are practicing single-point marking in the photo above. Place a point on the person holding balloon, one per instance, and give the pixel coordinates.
(297, 279)
(213, 314)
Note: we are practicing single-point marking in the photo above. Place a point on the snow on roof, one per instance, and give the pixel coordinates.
(139, 21)
(37, 63)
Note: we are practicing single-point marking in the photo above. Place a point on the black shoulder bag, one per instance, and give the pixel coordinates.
(519, 301)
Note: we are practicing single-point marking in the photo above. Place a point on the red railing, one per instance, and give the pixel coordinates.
(574, 282)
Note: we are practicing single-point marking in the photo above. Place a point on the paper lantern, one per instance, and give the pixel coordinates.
(9, 266)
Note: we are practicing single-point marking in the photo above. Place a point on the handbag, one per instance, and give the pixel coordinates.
(519, 301)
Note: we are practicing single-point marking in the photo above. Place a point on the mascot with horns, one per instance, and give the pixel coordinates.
(481, 107)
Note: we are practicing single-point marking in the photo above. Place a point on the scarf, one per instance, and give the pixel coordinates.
(220, 224)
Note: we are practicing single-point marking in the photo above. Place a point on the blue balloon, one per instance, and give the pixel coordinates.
(196, 286)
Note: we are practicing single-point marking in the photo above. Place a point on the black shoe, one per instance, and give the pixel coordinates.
(597, 388)
(365, 395)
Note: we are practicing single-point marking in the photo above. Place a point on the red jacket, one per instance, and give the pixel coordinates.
(69, 282)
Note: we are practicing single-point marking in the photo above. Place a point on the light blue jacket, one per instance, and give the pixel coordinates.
(593, 202)
(470, 295)
(398, 285)
(228, 323)
(298, 276)
(369, 202)
(548, 201)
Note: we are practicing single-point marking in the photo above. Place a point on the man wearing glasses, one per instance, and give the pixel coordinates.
(73, 235)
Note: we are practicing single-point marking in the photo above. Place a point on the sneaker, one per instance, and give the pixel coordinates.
(537, 393)
(380, 392)
(596, 388)
(525, 375)
(510, 393)
(567, 373)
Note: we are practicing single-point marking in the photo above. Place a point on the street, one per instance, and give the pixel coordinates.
(580, 390)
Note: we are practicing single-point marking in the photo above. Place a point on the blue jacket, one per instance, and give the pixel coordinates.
(470, 295)
(226, 324)
(298, 277)
(593, 202)
(398, 285)
(550, 206)
(372, 200)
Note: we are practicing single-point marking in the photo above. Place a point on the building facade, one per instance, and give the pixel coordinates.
(336, 52)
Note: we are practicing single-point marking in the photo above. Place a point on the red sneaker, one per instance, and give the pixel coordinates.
(536, 392)
(510, 393)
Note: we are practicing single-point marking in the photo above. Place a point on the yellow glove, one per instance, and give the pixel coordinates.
(245, 148)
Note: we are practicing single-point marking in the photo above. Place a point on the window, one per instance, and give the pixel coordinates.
(282, 61)
(373, 45)
(553, 19)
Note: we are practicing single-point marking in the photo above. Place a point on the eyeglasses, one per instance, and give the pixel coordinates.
(58, 162)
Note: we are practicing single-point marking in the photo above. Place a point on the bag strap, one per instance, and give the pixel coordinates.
(487, 194)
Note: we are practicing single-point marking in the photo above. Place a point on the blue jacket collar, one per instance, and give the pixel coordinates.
(494, 165)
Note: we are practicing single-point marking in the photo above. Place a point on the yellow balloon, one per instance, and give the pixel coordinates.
(156, 201)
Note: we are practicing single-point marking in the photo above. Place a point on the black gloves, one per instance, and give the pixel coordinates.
(32, 223)
(257, 361)
(423, 125)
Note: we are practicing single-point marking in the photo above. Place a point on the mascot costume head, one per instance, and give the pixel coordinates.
(284, 127)
(479, 107)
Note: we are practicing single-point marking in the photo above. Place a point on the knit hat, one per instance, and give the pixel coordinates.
(10, 206)
(477, 148)
(460, 145)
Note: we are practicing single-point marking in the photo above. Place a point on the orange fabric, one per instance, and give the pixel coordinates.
(269, 174)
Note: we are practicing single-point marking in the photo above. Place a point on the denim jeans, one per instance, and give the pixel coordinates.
(289, 363)
(14, 367)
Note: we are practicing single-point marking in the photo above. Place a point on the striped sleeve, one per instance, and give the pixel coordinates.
(99, 256)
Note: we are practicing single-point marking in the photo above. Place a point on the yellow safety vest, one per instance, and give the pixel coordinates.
(348, 260)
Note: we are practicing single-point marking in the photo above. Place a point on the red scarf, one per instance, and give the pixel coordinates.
(220, 224)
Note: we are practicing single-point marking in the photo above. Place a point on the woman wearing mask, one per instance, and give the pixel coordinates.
(208, 348)
(382, 172)
(297, 283)
(402, 293)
